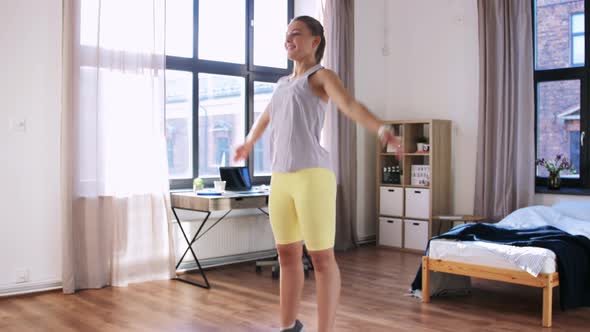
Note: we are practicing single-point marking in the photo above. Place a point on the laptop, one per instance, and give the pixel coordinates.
(237, 180)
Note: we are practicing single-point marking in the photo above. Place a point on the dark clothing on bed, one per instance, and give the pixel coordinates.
(572, 251)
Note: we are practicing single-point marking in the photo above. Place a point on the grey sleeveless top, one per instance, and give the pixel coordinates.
(296, 121)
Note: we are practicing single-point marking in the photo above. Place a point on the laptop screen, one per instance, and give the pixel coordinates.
(236, 178)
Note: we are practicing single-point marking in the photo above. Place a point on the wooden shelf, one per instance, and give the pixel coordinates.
(407, 122)
(417, 186)
(396, 217)
(416, 219)
(403, 186)
(438, 158)
(421, 154)
(404, 218)
(391, 185)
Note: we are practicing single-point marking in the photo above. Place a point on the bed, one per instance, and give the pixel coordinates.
(525, 265)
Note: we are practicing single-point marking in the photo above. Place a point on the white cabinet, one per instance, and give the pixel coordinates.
(415, 234)
(417, 203)
(390, 232)
(391, 201)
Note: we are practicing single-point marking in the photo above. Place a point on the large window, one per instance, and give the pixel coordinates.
(223, 58)
(561, 87)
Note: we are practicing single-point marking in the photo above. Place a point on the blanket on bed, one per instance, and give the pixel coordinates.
(572, 251)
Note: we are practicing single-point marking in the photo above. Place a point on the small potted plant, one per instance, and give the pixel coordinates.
(554, 167)
(422, 144)
(198, 184)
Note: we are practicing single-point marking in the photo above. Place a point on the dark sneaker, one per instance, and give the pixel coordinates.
(297, 328)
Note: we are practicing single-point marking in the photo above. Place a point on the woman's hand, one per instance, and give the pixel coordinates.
(387, 137)
(243, 151)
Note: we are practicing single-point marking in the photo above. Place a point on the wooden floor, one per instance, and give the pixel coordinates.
(375, 283)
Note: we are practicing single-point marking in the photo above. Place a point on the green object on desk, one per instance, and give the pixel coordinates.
(198, 184)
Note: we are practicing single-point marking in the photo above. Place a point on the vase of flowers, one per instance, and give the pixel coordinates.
(554, 181)
(554, 167)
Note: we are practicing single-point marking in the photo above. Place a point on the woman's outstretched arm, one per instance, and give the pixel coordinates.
(259, 126)
(352, 108)
(257, 130)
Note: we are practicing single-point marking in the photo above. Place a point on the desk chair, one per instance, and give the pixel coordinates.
(276, 268)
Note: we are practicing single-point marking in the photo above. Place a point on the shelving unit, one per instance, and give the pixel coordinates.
(405, 209)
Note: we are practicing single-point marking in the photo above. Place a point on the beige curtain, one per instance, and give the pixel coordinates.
(114, 182)
(339, 132)
(505, 155)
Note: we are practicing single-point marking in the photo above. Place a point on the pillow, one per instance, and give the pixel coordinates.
(574, 209)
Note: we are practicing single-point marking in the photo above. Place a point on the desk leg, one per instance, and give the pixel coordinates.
(261, 210)
(190, 247)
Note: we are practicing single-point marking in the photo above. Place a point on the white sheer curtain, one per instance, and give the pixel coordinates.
(115, 198)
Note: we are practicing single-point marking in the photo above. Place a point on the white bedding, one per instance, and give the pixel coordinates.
(537, 216)
(531, 259)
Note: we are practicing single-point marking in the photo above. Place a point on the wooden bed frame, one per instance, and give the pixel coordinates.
(545, 281)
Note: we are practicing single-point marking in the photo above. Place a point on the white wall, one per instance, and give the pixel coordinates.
(430, 71)
(30, 60)
(371, 89)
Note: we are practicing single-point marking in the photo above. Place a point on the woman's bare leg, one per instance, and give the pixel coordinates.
(291, 281)
(327, 276)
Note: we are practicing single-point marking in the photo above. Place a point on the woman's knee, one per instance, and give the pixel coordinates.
(290, 254)
(323, 260)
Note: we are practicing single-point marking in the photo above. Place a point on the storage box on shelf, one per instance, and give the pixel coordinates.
(416, 187)
(415, 234)
(417, 203)
(391, 231)
(391, 201)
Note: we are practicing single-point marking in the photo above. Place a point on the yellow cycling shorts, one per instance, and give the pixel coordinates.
(302, 206)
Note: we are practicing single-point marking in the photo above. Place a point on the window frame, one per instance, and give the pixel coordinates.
(248, 71)
(573, 35)
(579, 72)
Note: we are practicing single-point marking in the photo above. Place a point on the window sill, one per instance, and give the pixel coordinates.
(563, 191)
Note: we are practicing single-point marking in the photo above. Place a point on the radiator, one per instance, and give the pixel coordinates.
(242, 235)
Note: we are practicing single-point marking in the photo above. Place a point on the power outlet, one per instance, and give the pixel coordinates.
(18, 125)
(22, 276)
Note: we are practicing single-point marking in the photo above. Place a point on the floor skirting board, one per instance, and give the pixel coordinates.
(30, 287)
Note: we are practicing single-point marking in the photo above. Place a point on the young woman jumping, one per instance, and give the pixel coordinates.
(302, 203)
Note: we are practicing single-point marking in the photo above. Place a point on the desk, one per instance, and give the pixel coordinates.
(188, 200)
